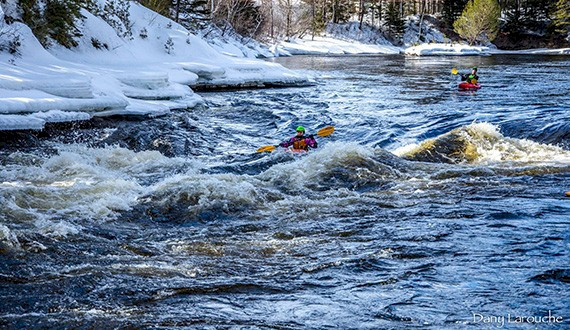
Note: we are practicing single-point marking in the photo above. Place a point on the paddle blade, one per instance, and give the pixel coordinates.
(454, 71)
(325, 131)
(266, 149)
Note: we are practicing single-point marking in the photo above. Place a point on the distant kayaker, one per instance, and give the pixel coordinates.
(300, 141)
(471, 78)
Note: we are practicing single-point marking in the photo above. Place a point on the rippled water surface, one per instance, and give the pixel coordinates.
(425, 206)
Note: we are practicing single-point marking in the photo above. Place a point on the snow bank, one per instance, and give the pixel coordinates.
(332, 46)
(352, 31)
(429, 33)
(28, 101)
(339, 39)
(15, 122)
(230, 43)
(58, 116)
(536, 51)
(36, 121)
(138, 76)
(446, 50)
(351, 38)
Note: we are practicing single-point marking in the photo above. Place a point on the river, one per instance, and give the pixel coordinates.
(425, 208)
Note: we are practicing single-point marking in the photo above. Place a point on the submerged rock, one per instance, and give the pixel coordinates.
(453, 147)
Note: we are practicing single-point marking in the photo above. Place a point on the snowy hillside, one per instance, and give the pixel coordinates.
(147, 74)
(339, 39)
(350, 38)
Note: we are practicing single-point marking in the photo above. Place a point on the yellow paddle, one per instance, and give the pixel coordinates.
(322, 133)
(454, 71)
(266, 148)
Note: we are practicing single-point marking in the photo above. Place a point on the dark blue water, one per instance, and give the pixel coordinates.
(427, 206)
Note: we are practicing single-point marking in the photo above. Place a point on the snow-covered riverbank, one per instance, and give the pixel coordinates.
(457, 49)
(331, 46)
(147, 74)
(440, 49)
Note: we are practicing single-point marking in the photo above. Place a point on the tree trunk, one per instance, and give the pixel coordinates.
(314, 18)
(177, 10)
(423, 9)
(334, 11)
(380, 12)
(272, 22)
(361, 18)
(288, 32)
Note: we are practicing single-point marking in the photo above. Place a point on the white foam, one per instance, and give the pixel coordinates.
(56, 229)
(493, 147)
(79, 182)
(304, 170)
(8, 238)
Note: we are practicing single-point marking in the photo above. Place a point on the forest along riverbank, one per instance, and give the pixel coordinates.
(425, 206)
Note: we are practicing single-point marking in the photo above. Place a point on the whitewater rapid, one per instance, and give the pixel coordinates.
(426, 205)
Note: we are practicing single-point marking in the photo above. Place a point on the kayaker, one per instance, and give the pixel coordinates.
(471, 78)
(300, 141)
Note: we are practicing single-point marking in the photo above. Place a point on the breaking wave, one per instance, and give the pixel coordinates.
(55, 195)
(482, 143)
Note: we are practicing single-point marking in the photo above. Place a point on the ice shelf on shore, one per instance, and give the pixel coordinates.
(140, 76)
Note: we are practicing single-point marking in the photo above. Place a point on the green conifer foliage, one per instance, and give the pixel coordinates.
(394, 22)
(561, 16)
(479, 21)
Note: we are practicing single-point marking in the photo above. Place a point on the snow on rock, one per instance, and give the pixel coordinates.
(29, 101)
(277, 51)
(16, 122)
(446, 50)
(429, 33)
(136, 108)
(203, 71)
(175, 91)
(182, 77)
(64, 87)
(184, 103)
(352, 31)
(147, 80)
(232, 44)
(339, 39)
(58, 116)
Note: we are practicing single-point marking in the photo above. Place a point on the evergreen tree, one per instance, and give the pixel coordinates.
(528, 15)
(191, 14)
(561, 16)
(393, 21)
(33, 17)
(116, 14)
(479, 21)
(160, 6)
(53, 20)
(342, 10)
(451, 10)
(61, 17)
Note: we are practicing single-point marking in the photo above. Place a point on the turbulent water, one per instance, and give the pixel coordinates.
(427, 205)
